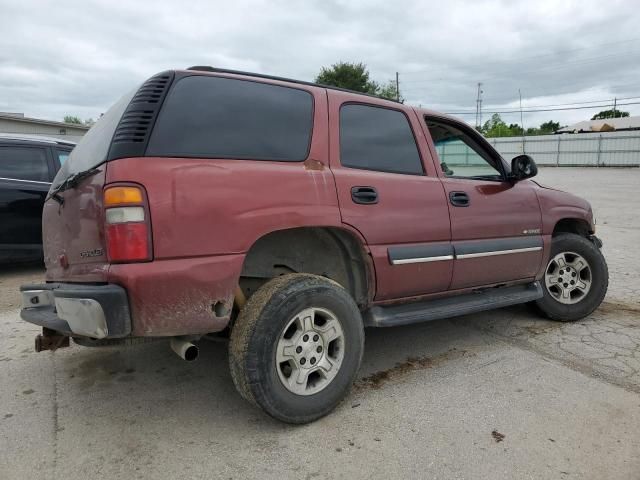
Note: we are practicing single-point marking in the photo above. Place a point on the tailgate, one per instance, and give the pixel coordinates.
(73, 233)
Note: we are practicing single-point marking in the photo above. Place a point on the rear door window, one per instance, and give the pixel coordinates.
(215, 117)
(375, 138)
(24, 163)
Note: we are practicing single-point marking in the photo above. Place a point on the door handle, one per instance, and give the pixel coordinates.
(364, 195)
(459, 199)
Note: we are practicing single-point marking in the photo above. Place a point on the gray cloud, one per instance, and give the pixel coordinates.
(66, 57)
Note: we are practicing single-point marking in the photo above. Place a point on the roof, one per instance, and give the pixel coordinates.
(204, 68)
(35, 138)
(39, 121)
(606, 125)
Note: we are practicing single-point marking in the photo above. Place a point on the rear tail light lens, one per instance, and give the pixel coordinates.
(127, 224)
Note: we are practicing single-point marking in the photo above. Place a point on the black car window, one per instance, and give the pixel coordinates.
(24, 163)
(63, 155)
(374, 138)
(215, 117)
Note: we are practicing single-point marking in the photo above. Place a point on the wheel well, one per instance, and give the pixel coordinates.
(327, 251)
(572, 225)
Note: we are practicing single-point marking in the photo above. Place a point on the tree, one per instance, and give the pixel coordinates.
(72, 119)
(355, 76)
(390, 92)
(352, 76)
(609, 114)
(549, 127)
(495, 127)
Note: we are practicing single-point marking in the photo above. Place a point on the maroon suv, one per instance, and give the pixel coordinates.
(289, 216)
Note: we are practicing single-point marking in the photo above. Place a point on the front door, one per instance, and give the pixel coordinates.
(495, 223)
(389, 191)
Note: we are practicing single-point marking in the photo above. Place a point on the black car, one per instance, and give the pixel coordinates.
(27, 167)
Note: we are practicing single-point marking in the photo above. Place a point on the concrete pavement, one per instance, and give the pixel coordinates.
(496, 395)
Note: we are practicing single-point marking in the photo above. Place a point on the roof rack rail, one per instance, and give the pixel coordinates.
(205, 68)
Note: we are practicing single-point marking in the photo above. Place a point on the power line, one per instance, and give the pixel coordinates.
(526, 107)
(543, 109)
(579, 103)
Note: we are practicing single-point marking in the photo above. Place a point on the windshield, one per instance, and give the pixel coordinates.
(94, 146)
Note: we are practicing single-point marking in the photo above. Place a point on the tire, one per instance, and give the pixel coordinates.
(556, 303)
(276, 316)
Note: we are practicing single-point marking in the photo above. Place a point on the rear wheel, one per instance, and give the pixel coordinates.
(296, 347)
(575, 280)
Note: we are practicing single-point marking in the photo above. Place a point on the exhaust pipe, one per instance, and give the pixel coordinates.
(185, 350)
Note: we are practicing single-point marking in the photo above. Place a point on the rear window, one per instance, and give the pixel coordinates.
(214, 117)
(94, 146)
(24, 163)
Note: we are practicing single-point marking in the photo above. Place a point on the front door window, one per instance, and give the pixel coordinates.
(460, 156)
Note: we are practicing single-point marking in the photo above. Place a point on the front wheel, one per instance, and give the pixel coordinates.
(575, 280)
(296, 347)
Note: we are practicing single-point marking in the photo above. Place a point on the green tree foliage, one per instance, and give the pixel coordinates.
(549, 127)
(609, 114)
(355, 76)
(72, 119)
(352, 76)
(389, 91)
(496, 127)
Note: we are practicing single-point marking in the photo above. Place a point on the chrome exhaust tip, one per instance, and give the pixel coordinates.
(185, 350)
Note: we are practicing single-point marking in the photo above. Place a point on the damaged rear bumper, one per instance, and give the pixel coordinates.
(96, 311)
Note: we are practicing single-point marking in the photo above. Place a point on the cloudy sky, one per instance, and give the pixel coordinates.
(62, 57)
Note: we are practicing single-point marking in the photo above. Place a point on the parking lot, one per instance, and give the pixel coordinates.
(501, 394)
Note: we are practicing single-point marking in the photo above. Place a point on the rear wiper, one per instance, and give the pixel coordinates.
(71, 181)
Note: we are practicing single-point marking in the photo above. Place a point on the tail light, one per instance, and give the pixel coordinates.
(127, 225)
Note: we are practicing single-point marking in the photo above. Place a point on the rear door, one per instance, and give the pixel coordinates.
(25, 176)
(389, 191)
(495, 223)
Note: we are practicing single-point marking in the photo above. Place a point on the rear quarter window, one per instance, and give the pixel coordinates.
(216, 117)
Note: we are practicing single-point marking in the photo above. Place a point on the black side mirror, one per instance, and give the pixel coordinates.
(523, 167)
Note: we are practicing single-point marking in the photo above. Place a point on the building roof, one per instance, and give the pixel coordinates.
(15, 118)
(607, 125)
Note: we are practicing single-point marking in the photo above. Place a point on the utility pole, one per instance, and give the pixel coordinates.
(521, 121)
(615, 103)
(479, 106)
(397, 87)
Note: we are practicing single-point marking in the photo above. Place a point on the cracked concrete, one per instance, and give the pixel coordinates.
(564, 398)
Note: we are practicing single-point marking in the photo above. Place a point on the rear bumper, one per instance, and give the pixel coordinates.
(96, 311)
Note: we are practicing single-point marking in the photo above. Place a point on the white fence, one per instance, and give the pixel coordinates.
(610, 149)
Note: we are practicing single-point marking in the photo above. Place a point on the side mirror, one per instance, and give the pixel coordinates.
(523, 167)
